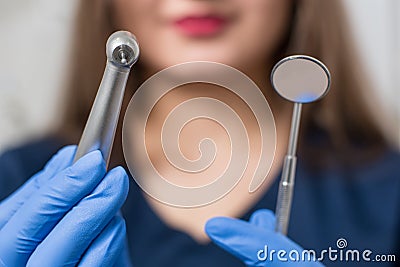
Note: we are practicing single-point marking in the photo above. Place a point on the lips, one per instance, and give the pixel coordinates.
(200, 26)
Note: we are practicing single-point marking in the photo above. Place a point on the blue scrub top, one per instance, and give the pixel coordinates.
(360, 204)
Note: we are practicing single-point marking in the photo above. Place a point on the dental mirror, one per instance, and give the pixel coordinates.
(299, 79)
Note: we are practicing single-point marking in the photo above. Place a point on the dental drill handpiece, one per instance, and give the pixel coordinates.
(122, 52)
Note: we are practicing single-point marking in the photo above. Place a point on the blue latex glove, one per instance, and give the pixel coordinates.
(66, 215)
(253, 241)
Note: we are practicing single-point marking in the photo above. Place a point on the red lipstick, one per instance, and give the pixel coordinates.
(200, 26)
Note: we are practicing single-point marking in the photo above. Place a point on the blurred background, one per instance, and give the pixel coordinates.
(34, 51)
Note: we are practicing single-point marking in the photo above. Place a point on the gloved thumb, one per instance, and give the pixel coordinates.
(236, 237)
(253, 241)
(263, 218)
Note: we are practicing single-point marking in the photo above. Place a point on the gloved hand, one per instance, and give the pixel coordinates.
(254, 241)
(66, 215)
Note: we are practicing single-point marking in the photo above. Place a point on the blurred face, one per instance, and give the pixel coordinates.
(240, 33)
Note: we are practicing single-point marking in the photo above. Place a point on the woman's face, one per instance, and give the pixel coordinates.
(240, 33)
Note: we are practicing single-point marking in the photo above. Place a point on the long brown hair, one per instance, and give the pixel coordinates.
(338, 127)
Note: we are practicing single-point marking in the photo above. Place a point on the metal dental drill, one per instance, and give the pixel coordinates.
(122, 51)
(299, 79)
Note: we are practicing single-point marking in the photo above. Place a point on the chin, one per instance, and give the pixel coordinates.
(203, 55)
(188, 55)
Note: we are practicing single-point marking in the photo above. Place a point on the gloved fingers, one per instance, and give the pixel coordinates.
(58, 162)
(75, 232)
(124, 259)
(61, 160)
(233, 236)
(245, 240)
(263, 218)
(108, 247)
(42, 211)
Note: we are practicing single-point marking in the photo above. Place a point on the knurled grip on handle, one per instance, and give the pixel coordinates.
(285, 195)
(283, 207)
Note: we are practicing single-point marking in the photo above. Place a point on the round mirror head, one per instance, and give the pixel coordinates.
(301, 79)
